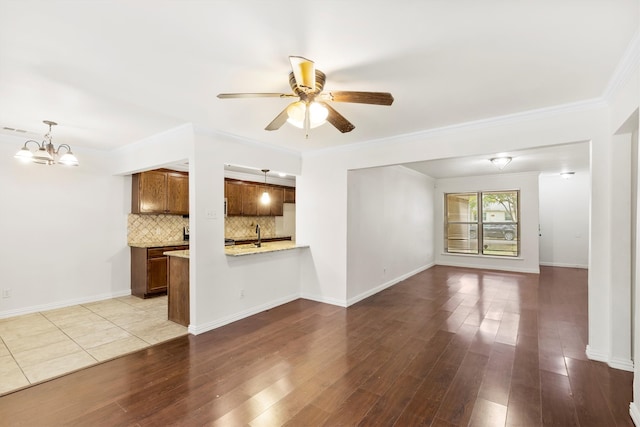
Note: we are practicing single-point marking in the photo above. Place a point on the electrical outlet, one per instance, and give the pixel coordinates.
(241, 293)
(6, 293)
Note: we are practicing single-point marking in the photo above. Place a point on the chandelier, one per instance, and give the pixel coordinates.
(46, 153)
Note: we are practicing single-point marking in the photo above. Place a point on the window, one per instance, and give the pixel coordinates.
(496, 217)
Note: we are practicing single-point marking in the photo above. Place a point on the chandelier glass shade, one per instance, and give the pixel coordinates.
(45, 152)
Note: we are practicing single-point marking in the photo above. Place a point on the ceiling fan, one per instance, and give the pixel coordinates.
(312, 109)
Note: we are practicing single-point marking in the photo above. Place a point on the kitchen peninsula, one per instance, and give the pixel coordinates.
(265, 247)
(178, 273)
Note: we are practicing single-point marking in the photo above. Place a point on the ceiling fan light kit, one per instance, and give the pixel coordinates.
(312, 110)
(298, 110)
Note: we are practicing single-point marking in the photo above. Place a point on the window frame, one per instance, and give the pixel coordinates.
(480, 249)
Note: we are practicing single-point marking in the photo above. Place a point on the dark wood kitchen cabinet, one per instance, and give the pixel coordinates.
(249, 199)
(274, 208)
(178, 290)
(233, 194)
(243, 198)
(149, 270)
(160, 192)
(289, 195)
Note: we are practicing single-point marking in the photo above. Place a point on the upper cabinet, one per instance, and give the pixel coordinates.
(289, 195)
(243, 198)
(277, 199)
(249, 199)
(160, 192)
(274, 207)
(233, 193)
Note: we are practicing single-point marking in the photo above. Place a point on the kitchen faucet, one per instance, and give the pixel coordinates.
(259, 243)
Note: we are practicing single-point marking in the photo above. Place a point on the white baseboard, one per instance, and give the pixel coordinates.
(325, 300)
(62, 304)
(622, 364)
(489, 267)
(386, 285)
(598, 356)
(634, 411)
(613, 362)
(199, 329)
(559, 264)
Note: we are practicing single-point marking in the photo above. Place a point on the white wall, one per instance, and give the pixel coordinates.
(564, 220)
(266, 280)
(321, 218)
(64, 232)
(286, 224)
(389, 228)
(527, 183)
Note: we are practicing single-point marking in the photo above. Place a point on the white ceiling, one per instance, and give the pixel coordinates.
(548, 160)
(113, 72)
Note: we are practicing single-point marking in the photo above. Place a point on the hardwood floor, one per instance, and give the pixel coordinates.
(447, 347)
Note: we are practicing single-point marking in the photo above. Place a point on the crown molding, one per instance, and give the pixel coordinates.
(540, 113)
(625, 68)
(203, 131)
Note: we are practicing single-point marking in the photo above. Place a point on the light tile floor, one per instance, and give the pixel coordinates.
(40, 346)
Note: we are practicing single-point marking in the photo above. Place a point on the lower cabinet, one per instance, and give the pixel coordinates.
(178, 290)
(150, 270)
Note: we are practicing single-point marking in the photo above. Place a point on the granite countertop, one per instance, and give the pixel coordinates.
(179, 254)
(254, 238)
(251, 249)
(158, 244)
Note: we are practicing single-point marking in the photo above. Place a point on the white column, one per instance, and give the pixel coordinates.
(634, 407)
(598, 347)
(620, 226)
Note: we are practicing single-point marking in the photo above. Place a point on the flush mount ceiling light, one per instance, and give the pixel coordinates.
(265, 199)
(500, 162)
(567, 175)
(47, 154)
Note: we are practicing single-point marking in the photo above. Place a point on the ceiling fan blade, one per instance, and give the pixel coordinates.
(377, 98)
(304, 71)
(255, 95)
(278, 121)
(337, 119)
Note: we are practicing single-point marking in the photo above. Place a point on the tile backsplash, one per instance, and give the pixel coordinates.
(155, 228)
(168, 228)
(244, 227)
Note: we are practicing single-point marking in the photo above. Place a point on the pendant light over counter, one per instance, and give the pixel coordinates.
(265, 199)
